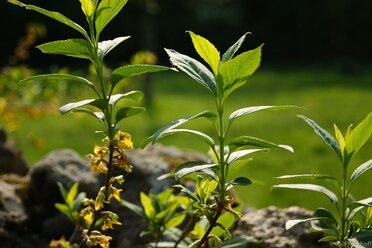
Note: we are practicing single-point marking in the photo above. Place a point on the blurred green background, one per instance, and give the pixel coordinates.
(316, 55)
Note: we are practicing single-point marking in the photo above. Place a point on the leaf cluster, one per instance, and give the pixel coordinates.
(340, 224)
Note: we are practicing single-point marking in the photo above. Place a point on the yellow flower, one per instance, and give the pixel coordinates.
(99, 202)
(124, 140)
(100, 151)
(114, 192)
(109, 220)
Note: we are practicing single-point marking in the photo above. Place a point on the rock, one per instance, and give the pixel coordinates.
(268, 227)
(64, 166)
(11, 160)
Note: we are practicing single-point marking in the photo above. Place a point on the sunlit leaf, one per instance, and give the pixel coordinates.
(360, 170)
(194, 69)
(104, 47)
(54, 15)
(291, 223)
(206, 50)
(312, 187)
(135, 70)
(197, 134)
(62, 208)
(326, 137)
(256, 142)
(241, 154)
(147, 205)
(235, 72)
(72, 193)
(106, 11)
(191, 167)
(229, 54)
(312, 176)
(175, 221)
(74, 105)
(178, 122)
(99, 115)
(359, 136)
(250, 110)
(132, 96)
(78, 48)
(365, 202)
(56, 78)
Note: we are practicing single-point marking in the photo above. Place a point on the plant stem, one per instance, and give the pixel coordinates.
(344, 197)
(204, 239)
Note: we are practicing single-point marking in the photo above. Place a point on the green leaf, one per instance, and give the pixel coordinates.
(186, 191)
(106, 11)
(312, 176)
(57, 78)
(361, 170)
(194, 69)
(147, 205)
(291, 223)
(359, 136)
(326, 137)
(175, 221)
(365, 202)
(62, 190)
(135, 70)
(197, 134)
(205, 114)
(132, 96)
(77, 48)
(126, 112)
(72, 194)
(62, 208)
(241, 181)
(104, 47)
(136, 209)
(98, 115)
(78, 201)
(207, 51)
(191, 167)
(252, 141)
(235, 72)
(231, 158)
(54, 15)
(71, 106)
(87, 7)
(229, 54)
(340, 139)
(312, 187)
(250, 110)
(326, 218)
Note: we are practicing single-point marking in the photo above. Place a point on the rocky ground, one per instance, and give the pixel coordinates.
(28, 218)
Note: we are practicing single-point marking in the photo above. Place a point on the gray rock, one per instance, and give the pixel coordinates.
(11, 160)
(268, 227)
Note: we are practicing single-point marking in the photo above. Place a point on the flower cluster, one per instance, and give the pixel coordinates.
(96, 238)
(121, 142)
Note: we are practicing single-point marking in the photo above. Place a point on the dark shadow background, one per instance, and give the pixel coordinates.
(337, 32)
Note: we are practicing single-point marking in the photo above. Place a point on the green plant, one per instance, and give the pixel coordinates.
(342, 226)
(228, 73)
(163, 212)
(108, 107)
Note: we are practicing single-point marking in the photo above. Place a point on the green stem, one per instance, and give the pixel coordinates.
(210, 228)
(344, 198)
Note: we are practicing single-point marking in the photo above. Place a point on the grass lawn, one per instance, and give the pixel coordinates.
(327, 96)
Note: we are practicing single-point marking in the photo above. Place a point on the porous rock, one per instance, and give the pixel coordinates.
(267, 225)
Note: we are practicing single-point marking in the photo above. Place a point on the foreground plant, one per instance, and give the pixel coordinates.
(212, 196)
(105, 107)
(341, 225)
